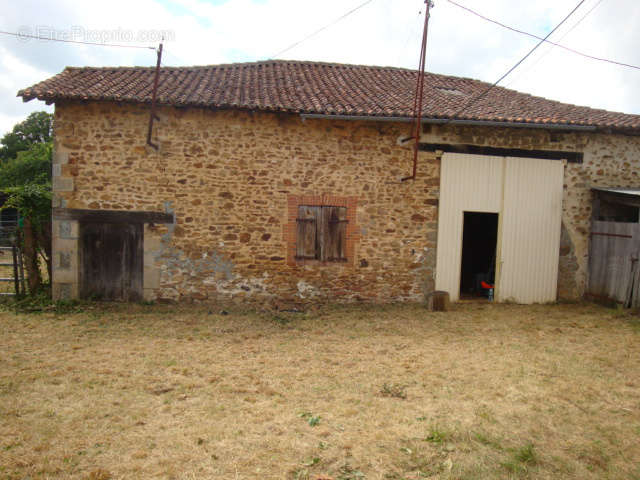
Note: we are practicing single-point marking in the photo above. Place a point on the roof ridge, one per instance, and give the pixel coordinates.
(286, 62)
(328, 88)
(248, 64)
(283, 62)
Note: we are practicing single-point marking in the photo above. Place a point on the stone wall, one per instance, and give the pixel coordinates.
(229, 177)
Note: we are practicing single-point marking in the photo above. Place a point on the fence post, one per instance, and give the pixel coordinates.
(16, 279)
(23, 288)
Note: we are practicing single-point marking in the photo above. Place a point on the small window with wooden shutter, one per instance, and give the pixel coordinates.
(321, 233)
(307, 233)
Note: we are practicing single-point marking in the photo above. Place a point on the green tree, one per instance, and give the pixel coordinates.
(25, 179)
(29, 166)
(37, 128)
(33, 203)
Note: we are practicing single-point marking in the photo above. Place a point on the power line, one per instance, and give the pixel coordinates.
(411, 33)
(513, 29)
(26, 35)
(321, 29)
(539, 59)
(168, 53)
(478, 97)
(582, 18)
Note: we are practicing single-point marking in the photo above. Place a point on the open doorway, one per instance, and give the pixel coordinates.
(479, 240)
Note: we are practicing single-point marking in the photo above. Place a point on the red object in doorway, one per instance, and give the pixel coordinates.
(485, 285)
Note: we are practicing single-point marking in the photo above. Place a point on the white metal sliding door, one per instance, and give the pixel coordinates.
(527, 194)
(530, 231)
(467, 183)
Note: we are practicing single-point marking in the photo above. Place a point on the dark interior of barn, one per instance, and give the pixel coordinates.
(479, 240)
(610, 211)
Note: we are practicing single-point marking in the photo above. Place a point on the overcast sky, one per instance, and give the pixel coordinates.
(383, 32)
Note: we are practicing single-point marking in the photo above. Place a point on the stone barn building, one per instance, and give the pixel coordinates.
(282, 180)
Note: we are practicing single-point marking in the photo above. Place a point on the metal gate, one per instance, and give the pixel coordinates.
(11, 271)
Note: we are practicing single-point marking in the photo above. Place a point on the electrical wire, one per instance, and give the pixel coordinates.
(353, 10)
(581, 19)
(411, 33)
(550, 48)
(478, 97)
(513, 29)
(26, 35)
(168, 53)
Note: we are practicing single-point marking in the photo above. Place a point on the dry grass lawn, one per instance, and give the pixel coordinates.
(481, 392)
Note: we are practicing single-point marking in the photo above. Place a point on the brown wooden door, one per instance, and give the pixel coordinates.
(111, 261)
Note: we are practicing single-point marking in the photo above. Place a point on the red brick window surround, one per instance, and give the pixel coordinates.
(345, 209)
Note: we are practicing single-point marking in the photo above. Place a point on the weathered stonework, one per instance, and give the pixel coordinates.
(567, 267)
(65, 259)
(228, 177)
(151, 274)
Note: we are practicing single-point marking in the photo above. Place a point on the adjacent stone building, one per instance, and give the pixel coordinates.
(283, 181)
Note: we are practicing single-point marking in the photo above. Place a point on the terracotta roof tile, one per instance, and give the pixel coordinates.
(319, 88)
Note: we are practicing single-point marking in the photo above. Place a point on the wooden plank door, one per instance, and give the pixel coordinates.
(111, 256)
(613, 261)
